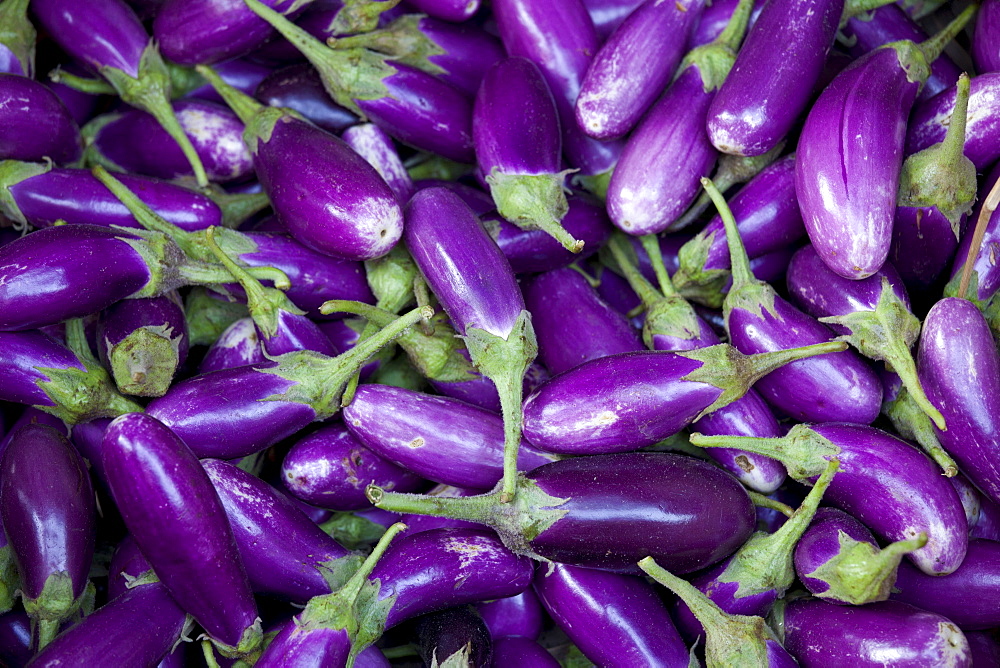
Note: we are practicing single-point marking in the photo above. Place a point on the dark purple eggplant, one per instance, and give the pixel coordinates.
(331, 468)
(127, 565)
(983, 277)
(17, 39)
(877, 473)
(988, 523)
(730, 640)
(519, 615)
(243, 75)
(613, 618)
(573, 511)
(107, 36)
(299, 88)
(985, 52)
(930, 120)
(820, 634)
(47, 509)
(373, 144)
(237, 346)
(15, 638)
(520, 651)
(458, 635)
(174, 514)
(838, 560)
(984, 647)
(923, 245)
(36, 123)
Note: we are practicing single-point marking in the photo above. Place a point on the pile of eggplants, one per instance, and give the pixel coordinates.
(510, 333)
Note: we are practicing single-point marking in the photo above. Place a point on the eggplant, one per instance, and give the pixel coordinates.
(923, 245)
(985, 53)
(36, 123)
(48, 515)
(984, 647)
(458, 635)
(566, 520)
(15, 638)
(448, 10)
(519, 615)
(237, 346)
(959, 366)
(519, 150)
(872, 485)
(520, 651)
(818, 633)
(983, 274)
(839, 561)
(299, 88)
(174, 514)
(107, 36)
(373, 144)
(613, 618)
(607, 15)
(127, 569)
(17, 39)
(331, 468)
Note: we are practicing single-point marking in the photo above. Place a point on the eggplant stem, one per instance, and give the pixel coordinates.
(739, 262)
(651, 244)
(626, 267)
(161, 110)
(989, 206)
(208, 652)
(933, 47)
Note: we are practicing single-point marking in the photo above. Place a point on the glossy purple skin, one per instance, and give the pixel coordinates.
(634, 66)
(986, 38)
(327, 196)
(826, 388)
(424, 112)
(438, 438)
(447, 10)
(670, 139)
(821, 543)
(282, 549)
(724, 595)
(76, 196)
(315, 277)
(966, 597)
(970, 498)
(129, 561)
(468, 52)
(65, 272)
(295, 332)
(516, 139)
(984, 646)
(331, 468)
(684, 512)
(923, 245)
(572, 323)
(87, 438)
(986, 275)
(929, 122)
(137, 143)
(80, 105)
(478, 200)
(106, 34)
(237, 346)
(462, 265)
(614, 619)
(373, 144)
(891, 24)
(959, 369)
(294, 647)
(243, 75)
(714, 18)
(299, 88)
(36, 123)
(823, 634)
(560, 38)
(607, 15)
(769, 88)
(988, 523)
(47, 509)
(15, 638)
(519, 615)
(210, 31)
(179, 523)
(128, 315)
(519, 651)
(846, 181)
(228, 414)
(530, 251)
(876, 472)
(31, 415)
(136, 629)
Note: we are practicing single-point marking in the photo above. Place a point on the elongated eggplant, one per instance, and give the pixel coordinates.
(923, 245)
(872, 485)
(563, 519)
(237, 346)
(373, 144)
(47, 508)
(818, 633)
(985, 53)
(36, 123)
(299, 88)
(519, 615)
(172, 510)
(611, 617)
(15, 638)
(521, 651)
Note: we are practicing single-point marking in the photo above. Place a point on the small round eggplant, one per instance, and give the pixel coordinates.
(36, 123)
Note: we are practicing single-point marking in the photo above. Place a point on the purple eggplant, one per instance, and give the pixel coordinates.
(912, 423)
(134, 142)
(730, 640)
(572, 323)
(519, 149)
(628, 401)
(36, 123)
(336, 203)
(930, 120)
(982, 277)
(458, 635)
(143, 342)
(38, 371)
(331, 468)
(847, 181)
(299, 88)
(923, 245)
(438, 438)
(633, 66)
(448, 10)
(237, 346)
(520, 651)
(519, 615)
(127, 565)
(243, 75)
(818, 633)
(873, 485)
(985, 52)
(15, 638)
(838, 560)
(17, 39)
(988, 522)
(960, 369)
(614, 619)
(172, 510)
(47, 509)
(984, 647)
(559, 37)
(373, 144)
(573, 510)
(107, 36)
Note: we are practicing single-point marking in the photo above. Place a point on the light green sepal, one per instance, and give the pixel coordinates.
(402, 40)
(13, 172)
(534, 201)
(144, 362)
(861, 573)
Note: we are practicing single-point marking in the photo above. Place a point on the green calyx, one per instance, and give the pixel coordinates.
(402, 40)
(91, 154)
(715, 60)
(400, 372)
(860, 572)
(259, 120)
(10, 580)
(359, 16)
(54, 605)
(249, 647)
(352, 531)
(208, 317)
(391, 278)
(13, 172)
(82, 84)
(726, 368)
(80, 395)
(692, 279)
(534, 201)
(595, 184)
(854, 8)
(802, 450)
(764, 562)
(913, 424)
(144, 362)
(18, 34)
